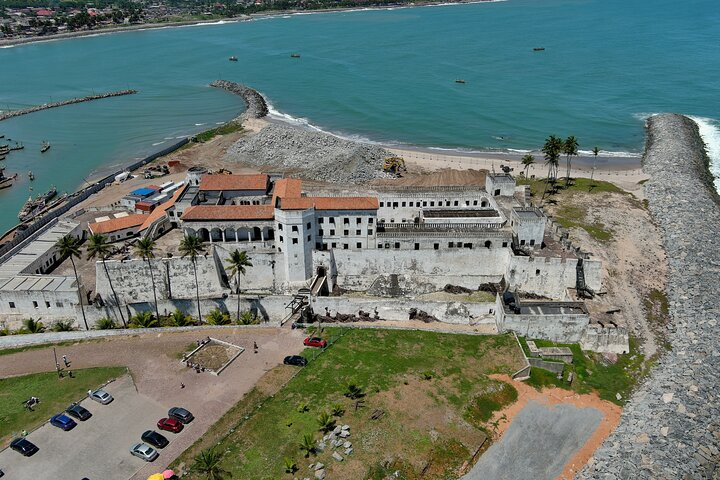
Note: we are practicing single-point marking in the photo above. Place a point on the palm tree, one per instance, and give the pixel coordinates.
(191, 246)
(33, 326)
(179, 319)
(595, 151)
(247, 318)
(217, 317)
(236, 265)
(552, 148)
(105, 323)
(68, 246)
(569, 148)
(307, 444)
(143, 320)
(63, 326)
(208, 462)
(98, 247)
(527, 160)
(145, 248)
(326, 422)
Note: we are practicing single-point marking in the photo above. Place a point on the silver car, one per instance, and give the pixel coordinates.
(101, 396)
(144, 451)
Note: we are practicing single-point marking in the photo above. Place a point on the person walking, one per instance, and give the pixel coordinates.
(65, 361)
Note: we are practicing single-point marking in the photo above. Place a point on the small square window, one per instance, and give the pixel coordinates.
(332, 232)
(320, 232)
(346, 221)
(382, 204)
(334, 245)
(358, 245)
(294, 228)
(321, 220)
(370, 220)
(522, 242)
(455, 204)
(281, 239)
(332, 219)
(358, 220)
(47, 304)
(370, 232)
(346, 232)
(474, 202)
(532, 241)
(295, 241)
(345, 246)
(417, 246)
(12, 304)
(35, 304)
(403, 204)
(424, 204)
(504, 244)
(451, 244)
(395, 204)
(537, 272)
(309, 238)
(324, 246)
(309, 225)
(397, 244)
(432, 204)
(436, 246)
(411, 204)
(358, 232)
(59, 304)
(379, 245)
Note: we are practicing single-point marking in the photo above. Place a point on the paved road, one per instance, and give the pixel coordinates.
(98, 447)
(540, 441)
(154, 362)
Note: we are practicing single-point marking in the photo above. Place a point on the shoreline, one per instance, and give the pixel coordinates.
(14, 42)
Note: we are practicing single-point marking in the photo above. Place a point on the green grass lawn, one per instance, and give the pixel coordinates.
(55, 396)
(229, 127)
(592, 372)
(432, 389)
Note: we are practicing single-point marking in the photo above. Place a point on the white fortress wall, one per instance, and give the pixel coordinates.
(547, 276)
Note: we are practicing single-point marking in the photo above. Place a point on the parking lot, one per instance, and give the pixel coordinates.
(97, 448)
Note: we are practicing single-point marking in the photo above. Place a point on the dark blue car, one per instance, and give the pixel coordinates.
(63, 421)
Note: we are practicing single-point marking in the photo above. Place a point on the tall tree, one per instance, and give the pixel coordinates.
(69, 246)
(595, 151)
(145, 248)
(552, 148)
(236, 266)
(191, 246)
(208, 463)
(527, 160)
(98, 247)
(570, 149)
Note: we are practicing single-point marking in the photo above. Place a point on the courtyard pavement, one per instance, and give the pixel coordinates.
(154, 362)
(538, 444)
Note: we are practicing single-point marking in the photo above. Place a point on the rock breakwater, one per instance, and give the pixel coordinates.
(313, 155)
(256, 107)
(25, 111)
(670, 428)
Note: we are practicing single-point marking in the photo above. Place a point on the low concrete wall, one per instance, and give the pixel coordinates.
(555, 367)
(557, 328)
(605, 340)
(399, 310)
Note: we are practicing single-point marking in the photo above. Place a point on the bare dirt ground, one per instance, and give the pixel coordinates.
(552, 397)
(634, 261)
(155, 364)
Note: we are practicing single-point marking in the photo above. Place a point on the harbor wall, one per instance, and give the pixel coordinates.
(46, 106)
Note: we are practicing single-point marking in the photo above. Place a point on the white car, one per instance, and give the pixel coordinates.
(101, 396)
(144, 451)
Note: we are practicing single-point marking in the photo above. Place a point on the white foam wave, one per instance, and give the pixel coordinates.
(200, 124)
(709, 129)
(518, 150)
(642, 116)
(158, 143)
(606, 153)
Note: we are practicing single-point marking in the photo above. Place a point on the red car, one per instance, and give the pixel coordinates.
(315, 342)
(170, 424)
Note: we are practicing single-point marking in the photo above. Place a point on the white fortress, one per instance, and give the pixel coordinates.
(388, 244)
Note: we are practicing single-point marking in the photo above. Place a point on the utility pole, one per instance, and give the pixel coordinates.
(57, 365)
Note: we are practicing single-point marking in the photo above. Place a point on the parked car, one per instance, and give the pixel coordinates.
(144, 451)
(181, 414)
(23, 446)
(315, 342)
(155, 439)
(63, 421)
(101, 396)
(170, 424)
(78, 412)
(295, 360)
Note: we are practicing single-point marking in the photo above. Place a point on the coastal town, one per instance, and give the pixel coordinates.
(244, 294)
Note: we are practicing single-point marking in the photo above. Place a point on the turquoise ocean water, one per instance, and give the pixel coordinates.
(384, 75)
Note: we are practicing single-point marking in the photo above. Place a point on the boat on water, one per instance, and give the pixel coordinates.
(233, 58)
(2, 157)
(459, 80)
(33, 207)
(45, 147)
(6, 182)
(31, 176)
(294, 55)
(538, 49)
(18, 146)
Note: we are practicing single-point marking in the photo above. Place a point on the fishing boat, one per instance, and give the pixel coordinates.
(294, 55)
(459, 80)
(538, 49)
(33, 207)
(31, 176)
(2, 157)
(18, 146)
(45, 147)
(6, 182)
(233, 58)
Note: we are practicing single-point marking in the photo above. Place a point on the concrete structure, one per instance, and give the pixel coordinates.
(118, 228)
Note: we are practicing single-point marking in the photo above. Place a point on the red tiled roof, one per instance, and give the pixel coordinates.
(160, 210)
(234, 182)
(288, 188)
(330, 203)
(228, 212)
(117, 224)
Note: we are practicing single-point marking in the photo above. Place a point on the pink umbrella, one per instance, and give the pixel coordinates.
(168, 474)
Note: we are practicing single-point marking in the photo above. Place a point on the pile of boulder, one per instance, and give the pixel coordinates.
(337, 440)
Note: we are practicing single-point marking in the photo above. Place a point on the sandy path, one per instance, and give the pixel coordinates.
(557, 396)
